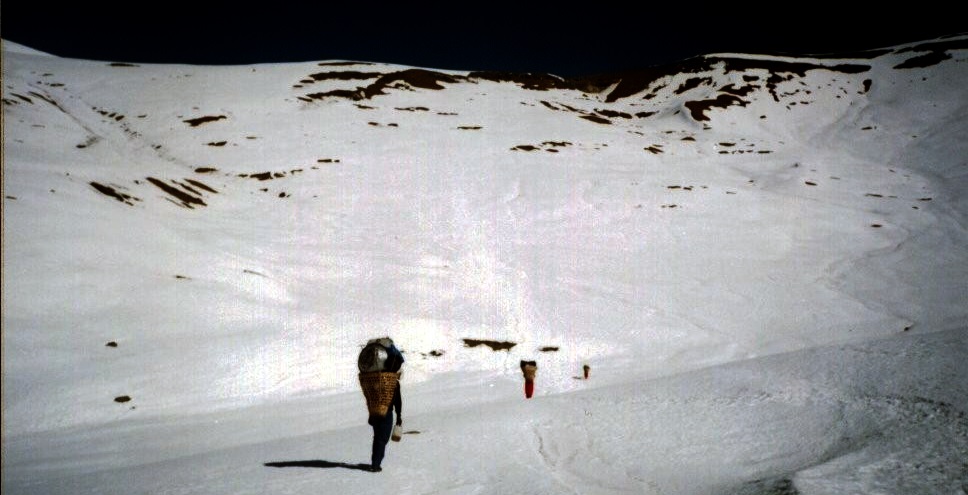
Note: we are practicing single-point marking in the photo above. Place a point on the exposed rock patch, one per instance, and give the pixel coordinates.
(111, 115)
(114, 193)
(200, 185)
(531, 81)
(341, 64)
(697, 109)
(183, 198)
(348, 75)
(22, 97)
(413, 78)
(493, 344)
(937, 52)
(596, 119)
(549, 146)
(613, 114)
(693, 82)
(204, 120)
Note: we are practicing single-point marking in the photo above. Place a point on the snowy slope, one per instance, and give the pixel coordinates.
(762, 259)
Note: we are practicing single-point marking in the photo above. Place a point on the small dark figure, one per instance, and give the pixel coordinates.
(529, 369)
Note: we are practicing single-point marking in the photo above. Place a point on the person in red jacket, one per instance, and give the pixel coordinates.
(529, 369)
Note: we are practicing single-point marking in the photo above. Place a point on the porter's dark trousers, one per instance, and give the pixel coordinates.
(382, 428)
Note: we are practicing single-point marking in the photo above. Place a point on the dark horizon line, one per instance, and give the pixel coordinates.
(587, 68)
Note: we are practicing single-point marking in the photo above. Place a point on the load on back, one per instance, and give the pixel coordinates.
(380, 355)
(379, 363)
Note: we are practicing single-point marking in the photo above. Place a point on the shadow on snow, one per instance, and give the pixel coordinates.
(318, 464)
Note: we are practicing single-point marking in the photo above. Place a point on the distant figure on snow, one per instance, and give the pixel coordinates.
(379, 365)
(529, 369)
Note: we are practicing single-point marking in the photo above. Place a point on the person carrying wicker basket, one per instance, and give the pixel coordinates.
(379, 363)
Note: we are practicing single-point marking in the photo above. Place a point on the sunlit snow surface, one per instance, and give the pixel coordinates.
(763, 261)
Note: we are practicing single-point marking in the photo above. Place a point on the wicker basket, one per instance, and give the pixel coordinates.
(378, 387)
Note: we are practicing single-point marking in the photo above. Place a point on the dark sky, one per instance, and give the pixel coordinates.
(596, 37)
